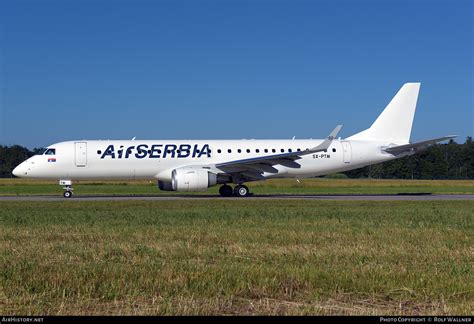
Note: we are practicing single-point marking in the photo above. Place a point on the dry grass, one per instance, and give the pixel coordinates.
(236, 257)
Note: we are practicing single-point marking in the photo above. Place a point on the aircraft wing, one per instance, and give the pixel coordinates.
(395, 150)
(254, 167)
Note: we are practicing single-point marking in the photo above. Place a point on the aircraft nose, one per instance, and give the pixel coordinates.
(15, 172)
(19, 170)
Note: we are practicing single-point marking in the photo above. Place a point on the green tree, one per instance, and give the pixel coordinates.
(10, 157)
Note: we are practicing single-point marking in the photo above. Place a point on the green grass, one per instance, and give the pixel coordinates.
(237, 257)
(14, 187)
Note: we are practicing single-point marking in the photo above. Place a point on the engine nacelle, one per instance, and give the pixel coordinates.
(189, 179)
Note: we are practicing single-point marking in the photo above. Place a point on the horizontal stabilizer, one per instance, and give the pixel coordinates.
(395, 150)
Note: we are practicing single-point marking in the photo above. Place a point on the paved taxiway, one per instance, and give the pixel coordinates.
(399, 197)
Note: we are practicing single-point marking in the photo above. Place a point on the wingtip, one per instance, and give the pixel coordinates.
(334, 133)
(450, 137)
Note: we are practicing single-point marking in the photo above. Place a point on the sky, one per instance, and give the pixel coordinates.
(228, 69)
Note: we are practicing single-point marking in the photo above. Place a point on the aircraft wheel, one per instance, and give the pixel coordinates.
(241, 191)
(67, 194)
(225, 191)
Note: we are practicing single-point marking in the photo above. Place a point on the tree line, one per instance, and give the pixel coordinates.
(439, 161)
(11, 156)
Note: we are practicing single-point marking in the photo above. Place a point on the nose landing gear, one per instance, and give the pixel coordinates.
(67, 186)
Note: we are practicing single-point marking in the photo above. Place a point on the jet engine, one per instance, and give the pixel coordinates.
(189, 179)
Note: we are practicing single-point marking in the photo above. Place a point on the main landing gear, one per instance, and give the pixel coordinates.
(238, 191)
(67, 186)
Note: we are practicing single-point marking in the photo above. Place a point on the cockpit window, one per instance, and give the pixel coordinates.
(50, 151)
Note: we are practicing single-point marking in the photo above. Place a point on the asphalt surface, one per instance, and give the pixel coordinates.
(381, 197)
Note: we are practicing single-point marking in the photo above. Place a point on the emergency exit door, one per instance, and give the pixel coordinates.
(347, 152)
(81, 154)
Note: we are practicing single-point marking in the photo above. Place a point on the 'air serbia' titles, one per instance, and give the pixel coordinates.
(156, 151)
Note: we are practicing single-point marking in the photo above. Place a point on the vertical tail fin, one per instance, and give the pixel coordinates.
(395, 122)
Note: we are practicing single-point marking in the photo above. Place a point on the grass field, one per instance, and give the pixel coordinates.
(237, 257)
(13, 187)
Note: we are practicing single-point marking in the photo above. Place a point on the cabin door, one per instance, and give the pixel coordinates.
(81, 154)
(347, 152)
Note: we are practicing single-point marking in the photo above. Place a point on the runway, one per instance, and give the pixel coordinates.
(381, 197)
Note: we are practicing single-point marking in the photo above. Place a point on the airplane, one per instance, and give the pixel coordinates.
(196, 165)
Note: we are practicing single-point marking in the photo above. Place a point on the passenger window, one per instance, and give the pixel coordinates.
(50, 151)
(257, 151)
(239, 150)
(334, 150)
(266, 150)
(248, 151)
(289, 150)
(273, 150)
(229, 150)
(218, 151)
(282, 151)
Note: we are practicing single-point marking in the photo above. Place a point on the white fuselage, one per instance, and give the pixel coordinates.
(89, 160)
(189, 165)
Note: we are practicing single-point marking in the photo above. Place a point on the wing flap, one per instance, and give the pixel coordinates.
(288, 163)
(252, 175)
(261, 167)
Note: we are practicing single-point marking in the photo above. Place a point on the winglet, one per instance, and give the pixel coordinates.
(327, 142)
(334, 133)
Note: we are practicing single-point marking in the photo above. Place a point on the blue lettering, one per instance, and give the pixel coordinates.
(109, 152)
(129, 151)
(195, 150)
(120, 152)
(205, 150)
(154, 149)
(184, 151)
(141, 151)
(169, 149)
